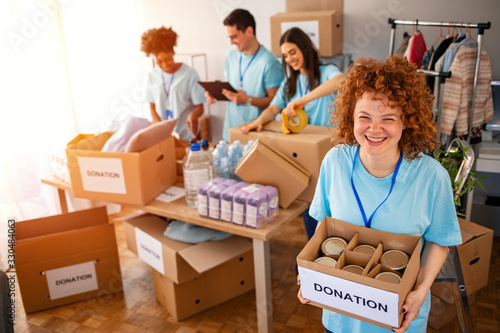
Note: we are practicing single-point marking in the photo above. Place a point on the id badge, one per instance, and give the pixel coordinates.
(169, 114)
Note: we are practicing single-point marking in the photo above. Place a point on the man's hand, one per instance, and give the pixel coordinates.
(238, 97)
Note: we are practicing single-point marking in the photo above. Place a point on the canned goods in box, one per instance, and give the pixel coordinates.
(333, 246)
(394, 259)
(327, 261)
(365, 249)
(388, 277)
(353, 269)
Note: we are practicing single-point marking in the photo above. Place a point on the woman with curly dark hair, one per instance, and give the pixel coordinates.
(379, 176)
(173, 90)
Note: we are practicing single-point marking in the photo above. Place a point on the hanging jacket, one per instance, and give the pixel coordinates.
(457, 95)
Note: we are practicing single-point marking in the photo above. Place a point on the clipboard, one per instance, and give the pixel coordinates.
(215, 88)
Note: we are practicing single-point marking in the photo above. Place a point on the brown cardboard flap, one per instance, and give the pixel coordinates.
(214, 253)
(61, 223)
(471, 230)
(311, 5)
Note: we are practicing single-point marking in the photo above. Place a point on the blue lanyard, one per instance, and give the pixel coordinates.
(394, 175)
(300, 88)
(167, 92)
(248, 65)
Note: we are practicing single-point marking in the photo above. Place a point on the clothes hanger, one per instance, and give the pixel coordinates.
(440, 34)
(470, 35)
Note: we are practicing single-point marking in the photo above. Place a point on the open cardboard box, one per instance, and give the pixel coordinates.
(307, 148)
(264, 165)
(178, 261)
(126, 178)
(475, 255)
(358, 296)
(66, 258)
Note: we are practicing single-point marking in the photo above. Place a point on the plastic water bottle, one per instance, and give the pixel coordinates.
(198, 169)
(220, 158)
(235, 152)
(247, 147)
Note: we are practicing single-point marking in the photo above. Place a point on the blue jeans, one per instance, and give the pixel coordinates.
(327, 331)
(309, 223)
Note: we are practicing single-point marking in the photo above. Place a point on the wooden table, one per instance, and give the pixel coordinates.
(179, 210)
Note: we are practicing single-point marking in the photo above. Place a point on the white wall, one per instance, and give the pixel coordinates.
(366, 31)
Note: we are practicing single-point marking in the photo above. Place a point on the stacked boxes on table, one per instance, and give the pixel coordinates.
(66, 258)
(304, 151)
(129, 178)
(358, 295)
(228, 200)
(321, 20)
(191, 278)
(475, 255)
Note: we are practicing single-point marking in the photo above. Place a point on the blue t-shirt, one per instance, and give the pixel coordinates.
(263, 73)
(184, 92)
(317, 110)
(421, 204)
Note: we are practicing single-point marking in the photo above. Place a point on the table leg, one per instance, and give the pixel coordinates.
(262, 267)
(63, 204)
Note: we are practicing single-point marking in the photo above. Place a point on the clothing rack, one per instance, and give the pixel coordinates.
(480, 28)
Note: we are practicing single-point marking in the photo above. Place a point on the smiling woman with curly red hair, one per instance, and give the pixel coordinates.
(378, 176)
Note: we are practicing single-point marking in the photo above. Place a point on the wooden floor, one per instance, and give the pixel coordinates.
(136, 309)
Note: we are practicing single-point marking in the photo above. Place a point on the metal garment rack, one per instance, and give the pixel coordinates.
(479, 26)
(452, 269)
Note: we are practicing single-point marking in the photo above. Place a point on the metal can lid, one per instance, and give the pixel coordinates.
(333, 245)
(353, 269)
(388, 277)
(394, 259)
(327, 261)
(365, 249)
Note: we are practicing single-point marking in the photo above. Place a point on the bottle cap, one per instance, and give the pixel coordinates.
(394, 259)
(365, 249)
(333, 245)
(388, 277)
(327, 261)
(195, 146)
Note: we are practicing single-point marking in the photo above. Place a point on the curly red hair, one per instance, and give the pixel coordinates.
(404, 86)
(155, 41)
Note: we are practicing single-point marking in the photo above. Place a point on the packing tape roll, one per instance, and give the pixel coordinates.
(290, 124)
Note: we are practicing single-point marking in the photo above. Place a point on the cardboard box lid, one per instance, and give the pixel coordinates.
(61, 223)
(310, 5)
(203, 256)
(313, 14)
(471, 230)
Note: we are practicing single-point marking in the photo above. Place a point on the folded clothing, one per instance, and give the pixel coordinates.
(192, 233)
(119, 140)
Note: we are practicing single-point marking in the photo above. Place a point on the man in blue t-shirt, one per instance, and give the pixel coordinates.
(250, 68)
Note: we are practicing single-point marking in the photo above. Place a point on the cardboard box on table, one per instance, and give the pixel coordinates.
(66, 258)
(307, 148)
(475, 255)
(358, 296)
(191, 278)
(263, 165)
(126, 178)
(324, 28)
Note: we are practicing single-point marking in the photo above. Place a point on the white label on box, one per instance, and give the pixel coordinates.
(71, 280)
(251, 219)
(226, 210)
(311, 28)
(369, 302)
(149, 249)
(202, 205)
(238, 210)
(213, 207)
(100, 174)
(252, 188)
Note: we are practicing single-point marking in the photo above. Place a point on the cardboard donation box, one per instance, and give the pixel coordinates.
(191, 278)
(128, 178)
(66, 258)
(323, 27)
(264, 165)
(307, 148)
(359, 295)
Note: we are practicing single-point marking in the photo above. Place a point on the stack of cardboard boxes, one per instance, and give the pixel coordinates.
(321, 20)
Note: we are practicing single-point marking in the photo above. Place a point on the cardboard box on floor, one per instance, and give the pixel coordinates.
(178, 261)
(224, 282)
(475, 255)
(358, 296)
(281, 172)
(442, 312)
(126, 178)
(66, 258)
(324, 28)
(307, 148)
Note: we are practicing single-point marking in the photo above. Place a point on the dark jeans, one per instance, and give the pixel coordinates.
(309, 223)
(327, 331)
(5, 319)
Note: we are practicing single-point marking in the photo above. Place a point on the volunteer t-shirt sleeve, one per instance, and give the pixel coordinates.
(279, 99)
(320, 206)
(197, 91)
(274, 75)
